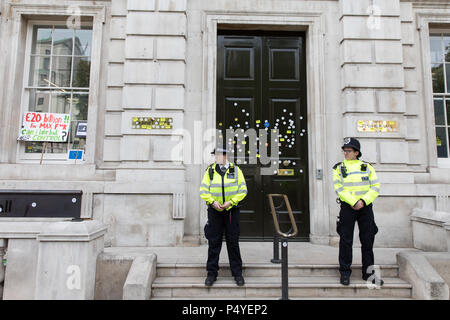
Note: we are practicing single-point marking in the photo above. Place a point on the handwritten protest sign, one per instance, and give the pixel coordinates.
(45, 127)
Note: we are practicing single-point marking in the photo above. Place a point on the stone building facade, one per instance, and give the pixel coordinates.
(368, 60)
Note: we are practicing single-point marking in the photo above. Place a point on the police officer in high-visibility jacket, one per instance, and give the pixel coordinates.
(223, 187)
(357, 186)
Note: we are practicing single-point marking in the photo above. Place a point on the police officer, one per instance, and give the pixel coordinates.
(357, 186)
(223, 187)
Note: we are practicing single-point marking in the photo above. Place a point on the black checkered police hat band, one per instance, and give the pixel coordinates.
(219, 150)
(352, 143)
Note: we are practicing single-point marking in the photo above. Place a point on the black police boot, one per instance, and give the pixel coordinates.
(345, 280)
(210, 279)
(239, 280)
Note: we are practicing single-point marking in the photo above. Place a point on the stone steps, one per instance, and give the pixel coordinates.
(263, 281)
(269, 270)
(270, 287)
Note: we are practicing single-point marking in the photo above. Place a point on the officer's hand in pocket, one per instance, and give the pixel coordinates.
(338, 226)
(206, 230)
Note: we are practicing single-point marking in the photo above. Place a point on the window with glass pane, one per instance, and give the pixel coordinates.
(440, 70)
(60, 65)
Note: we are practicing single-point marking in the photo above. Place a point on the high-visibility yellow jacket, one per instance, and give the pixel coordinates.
(229, 187)
(354, 180)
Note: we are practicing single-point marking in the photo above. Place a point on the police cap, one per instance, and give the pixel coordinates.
(352, 143)
(219, 150)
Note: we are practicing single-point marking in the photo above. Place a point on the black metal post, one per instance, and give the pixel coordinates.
(284, 269)
(276, 249)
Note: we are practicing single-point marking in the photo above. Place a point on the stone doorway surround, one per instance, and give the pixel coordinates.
(314, 24)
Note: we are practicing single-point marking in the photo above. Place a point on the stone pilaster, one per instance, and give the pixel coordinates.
(146, 78)
(377, 80)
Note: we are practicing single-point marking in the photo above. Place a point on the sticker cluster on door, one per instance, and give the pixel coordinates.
(240, 119)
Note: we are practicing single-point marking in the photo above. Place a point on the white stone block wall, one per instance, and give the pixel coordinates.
(139, 47)
(379, 78)
(146, 78)
(411, 53)
(372, 70)
(139, 220)
(146, 70)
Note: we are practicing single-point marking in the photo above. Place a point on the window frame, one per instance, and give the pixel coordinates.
(27, 88)
(21, 15)
(427, 17)
(445, 96)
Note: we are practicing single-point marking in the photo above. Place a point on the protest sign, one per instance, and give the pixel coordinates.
(45, 127)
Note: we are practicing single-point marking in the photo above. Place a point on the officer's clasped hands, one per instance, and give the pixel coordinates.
(226, 205)
(217, 205)
(359, 205)
(221, 207)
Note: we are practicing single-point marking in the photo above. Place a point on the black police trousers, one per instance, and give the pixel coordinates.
(367, 230)
(218, 223)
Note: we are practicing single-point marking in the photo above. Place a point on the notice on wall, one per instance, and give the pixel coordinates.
(81, 131)
(150, 123)
(377, 126)
(44, 127)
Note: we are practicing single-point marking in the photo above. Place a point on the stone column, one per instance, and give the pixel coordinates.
(67, 258)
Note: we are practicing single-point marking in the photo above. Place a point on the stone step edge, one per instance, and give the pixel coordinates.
(270, 265)
(278, 298)
(277, 284)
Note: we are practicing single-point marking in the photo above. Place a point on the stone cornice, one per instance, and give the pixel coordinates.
(97, 11)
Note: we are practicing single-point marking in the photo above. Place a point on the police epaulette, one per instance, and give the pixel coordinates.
(336, 165)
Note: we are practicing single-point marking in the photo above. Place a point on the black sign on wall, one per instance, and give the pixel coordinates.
(40, 204)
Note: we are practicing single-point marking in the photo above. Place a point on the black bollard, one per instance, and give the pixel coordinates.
(276, 249)
(284, 241)
(284, 270)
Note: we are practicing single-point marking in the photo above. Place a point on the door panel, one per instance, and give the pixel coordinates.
(239, 63)
(284, 64)
(261, 85)
(251, 221)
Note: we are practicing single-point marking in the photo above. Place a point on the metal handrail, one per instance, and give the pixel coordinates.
(275, 218)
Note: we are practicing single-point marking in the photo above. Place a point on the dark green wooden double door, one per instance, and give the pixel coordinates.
(261, 85)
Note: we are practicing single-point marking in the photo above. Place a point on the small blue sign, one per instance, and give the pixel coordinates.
(76, 154)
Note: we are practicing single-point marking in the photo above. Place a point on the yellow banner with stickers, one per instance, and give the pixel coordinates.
(377, 126)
